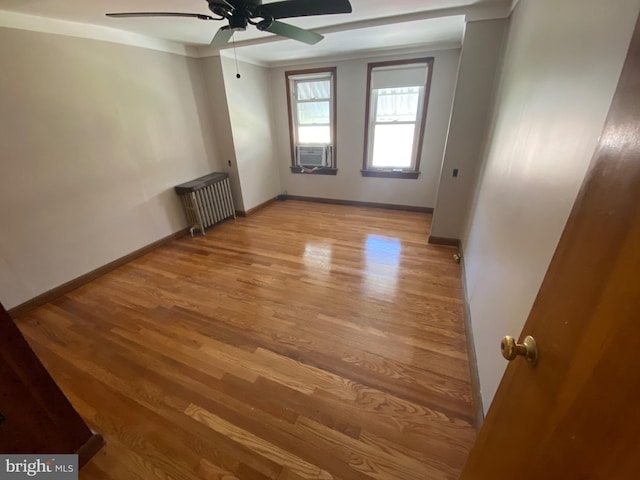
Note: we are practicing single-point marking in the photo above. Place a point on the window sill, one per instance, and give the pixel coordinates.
(389, 174)
(320, 171)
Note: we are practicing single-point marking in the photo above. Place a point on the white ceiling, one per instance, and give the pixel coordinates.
(437, 32)
(374, 25)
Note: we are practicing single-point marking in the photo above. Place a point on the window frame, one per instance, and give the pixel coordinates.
(292, 115)
(421, 122)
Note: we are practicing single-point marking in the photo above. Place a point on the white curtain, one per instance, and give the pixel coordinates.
(314, 89)
(397, 104)
(309, 112)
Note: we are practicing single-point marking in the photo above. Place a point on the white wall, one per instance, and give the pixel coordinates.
(349, 184)
(560, 70)
(217, 96)
(93, 137)
(250, 113)
(470, 116)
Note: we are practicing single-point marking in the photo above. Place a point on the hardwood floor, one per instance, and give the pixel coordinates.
(308, 341)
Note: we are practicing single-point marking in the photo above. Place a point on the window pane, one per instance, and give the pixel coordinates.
(316, 134)
(313, 112)
(313, 90)
(397, 104)
(393, 146)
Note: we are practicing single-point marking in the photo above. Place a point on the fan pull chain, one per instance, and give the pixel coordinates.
(233, 38)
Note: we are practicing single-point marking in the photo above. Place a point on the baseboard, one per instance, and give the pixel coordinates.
(65, 288)
(452, 242)
(251, 211)
(89, 449)
(476, 397)
(388, 206)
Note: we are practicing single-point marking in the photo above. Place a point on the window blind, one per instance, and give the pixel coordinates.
(414, 75)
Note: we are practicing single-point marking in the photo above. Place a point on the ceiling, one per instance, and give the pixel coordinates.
(374, 25)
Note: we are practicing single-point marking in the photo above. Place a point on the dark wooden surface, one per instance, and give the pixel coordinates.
(335, 201)
(201, 182)
(38, 417)
(411, 175)
(474, 376)
(87, 451)
(452, 242)
(575, 415)
(305, 341)
(320, 171)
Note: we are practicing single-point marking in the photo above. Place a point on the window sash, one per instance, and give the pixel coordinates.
(373, 122)
(388, 152)
(311, 105)
(294, 84)
(311, 135)
(300, 122)
(391, 129)
(395, 122)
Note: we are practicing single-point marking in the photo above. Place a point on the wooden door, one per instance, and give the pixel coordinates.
(576, 414)
(36, 417)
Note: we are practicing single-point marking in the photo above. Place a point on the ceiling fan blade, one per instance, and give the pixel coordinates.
(304, 8)
(222, 37)
(161, 14)
(296, 33)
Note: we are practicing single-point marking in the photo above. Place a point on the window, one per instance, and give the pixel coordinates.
(311, 101)
(397, 99)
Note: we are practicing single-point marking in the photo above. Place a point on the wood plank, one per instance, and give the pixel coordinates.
(37, 417)
(305, 341)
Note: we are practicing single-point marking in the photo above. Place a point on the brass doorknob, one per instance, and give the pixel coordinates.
(528, 348)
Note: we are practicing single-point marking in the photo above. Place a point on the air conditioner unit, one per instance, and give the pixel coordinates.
(313, 155)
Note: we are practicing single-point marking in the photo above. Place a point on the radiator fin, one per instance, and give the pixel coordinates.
(208, 204)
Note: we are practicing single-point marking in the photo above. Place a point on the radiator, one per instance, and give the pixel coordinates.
(207, 200)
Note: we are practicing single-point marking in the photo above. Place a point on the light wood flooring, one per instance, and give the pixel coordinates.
(307, 341)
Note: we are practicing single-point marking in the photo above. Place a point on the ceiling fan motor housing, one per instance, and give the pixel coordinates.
(238, 23)
(238, 12)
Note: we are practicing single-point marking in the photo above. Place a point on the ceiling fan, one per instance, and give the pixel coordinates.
(241, 13)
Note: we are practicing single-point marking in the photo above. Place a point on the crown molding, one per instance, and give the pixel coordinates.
(21, 21)
(377, 53)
